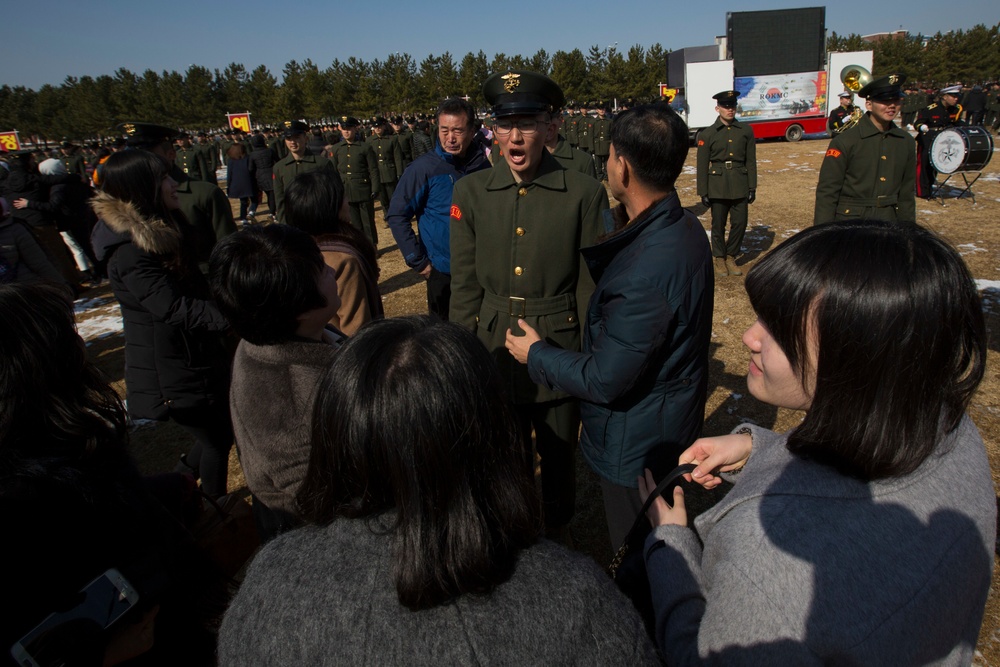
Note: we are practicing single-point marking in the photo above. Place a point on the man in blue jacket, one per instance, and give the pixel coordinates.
(424, 192)
(642, 376)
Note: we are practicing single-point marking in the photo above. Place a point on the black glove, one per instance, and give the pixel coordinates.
(752, 196)
(706, 202)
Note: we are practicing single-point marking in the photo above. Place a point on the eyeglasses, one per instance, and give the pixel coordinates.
(525, 126)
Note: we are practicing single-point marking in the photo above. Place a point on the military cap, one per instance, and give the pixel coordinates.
(516, 92)
(66, 144)
(146, 134)
(379, 121)
(726, 98)
(888, 87)
(293, 127)
(397, 120)
(952, 90)
(348, 122)
(846, 94)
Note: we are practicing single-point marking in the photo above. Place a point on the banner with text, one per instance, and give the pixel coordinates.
(239, 121)
(779, 96)
(9, 141)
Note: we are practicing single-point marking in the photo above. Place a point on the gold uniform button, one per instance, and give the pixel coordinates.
(847, 210)
(523, 191)
(730, 155)
(882, 178)
(730, 141)
(571, 319)
(883, 157)
(518, 270)
(519, 231)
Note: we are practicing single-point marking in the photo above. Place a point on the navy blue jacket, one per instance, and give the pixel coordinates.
(642, 376)
(424, 191)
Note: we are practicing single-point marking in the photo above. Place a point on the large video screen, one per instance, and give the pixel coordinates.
(779, 41)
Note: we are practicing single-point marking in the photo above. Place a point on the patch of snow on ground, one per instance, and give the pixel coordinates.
(93, 325)
(968, 248)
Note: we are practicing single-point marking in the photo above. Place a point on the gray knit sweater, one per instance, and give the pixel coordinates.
(325, 596)
(804, 566)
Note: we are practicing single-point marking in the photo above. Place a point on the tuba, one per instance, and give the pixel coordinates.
(854, 78)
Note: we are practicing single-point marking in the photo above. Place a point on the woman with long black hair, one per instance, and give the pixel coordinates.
(176, 365)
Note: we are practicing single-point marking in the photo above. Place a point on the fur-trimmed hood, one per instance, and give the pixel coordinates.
(121, 222)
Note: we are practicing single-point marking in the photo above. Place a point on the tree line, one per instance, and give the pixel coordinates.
(199, 98)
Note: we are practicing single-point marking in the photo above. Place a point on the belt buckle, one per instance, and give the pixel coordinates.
(511, 301)
(729, 164)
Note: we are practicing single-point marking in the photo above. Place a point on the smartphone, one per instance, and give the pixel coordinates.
(101, 602)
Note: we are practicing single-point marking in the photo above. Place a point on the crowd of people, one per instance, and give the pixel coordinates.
(391, 462)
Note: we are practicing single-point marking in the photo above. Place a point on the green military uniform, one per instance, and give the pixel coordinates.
(572, 130)
(515, 253)
(389, 155)
(574, 159)
(191, 162)
(285, 171)
(600, 129)
(358, 168)
(210, 152)
(727, 175)
(278, 147)
(583, 133)
(75, 164)
(868, 174)
(208, 211)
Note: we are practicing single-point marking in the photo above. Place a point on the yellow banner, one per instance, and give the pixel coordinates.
(239, 121)
(10, 141)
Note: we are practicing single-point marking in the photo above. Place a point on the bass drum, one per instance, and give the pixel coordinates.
(961, 149)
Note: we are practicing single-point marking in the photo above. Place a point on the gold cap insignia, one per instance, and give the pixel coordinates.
(129, 129)
(511, 81)
(893, 79)
(288, 123)
(343, 119)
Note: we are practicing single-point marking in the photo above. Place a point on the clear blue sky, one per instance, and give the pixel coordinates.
(47, 40)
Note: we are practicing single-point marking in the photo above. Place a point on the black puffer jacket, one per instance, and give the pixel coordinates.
(174, 355)
(261, 161)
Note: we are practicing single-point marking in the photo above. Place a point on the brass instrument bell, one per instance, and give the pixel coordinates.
(854, 78)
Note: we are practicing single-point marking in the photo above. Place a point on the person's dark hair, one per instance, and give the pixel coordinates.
(654, 140)
(237, 151)
(135, 176)
(313, 202)
(51, 397)
(900, 334)
(411, 418)
(456, 106)
(263, 278)
(257, 141)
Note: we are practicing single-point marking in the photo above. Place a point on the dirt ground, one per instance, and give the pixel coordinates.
(785, 195)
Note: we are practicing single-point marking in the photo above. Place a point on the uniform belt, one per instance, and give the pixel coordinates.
(517, 306)
(729, 164)
(872, 202)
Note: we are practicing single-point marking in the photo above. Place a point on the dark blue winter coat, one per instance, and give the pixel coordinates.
(424, 192)
(642, 376)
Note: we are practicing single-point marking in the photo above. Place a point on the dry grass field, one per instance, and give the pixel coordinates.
(787, 181)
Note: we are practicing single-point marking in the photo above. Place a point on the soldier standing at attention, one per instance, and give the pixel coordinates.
(389, 154)
(358, 167)
(934, 117)
(600, 130)
(191, 160)
(570, 129)
(870, 169)
(298, 161)
(405, 138)
(516, 232)
(583, 132)
(842, 113)
(727, 180)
